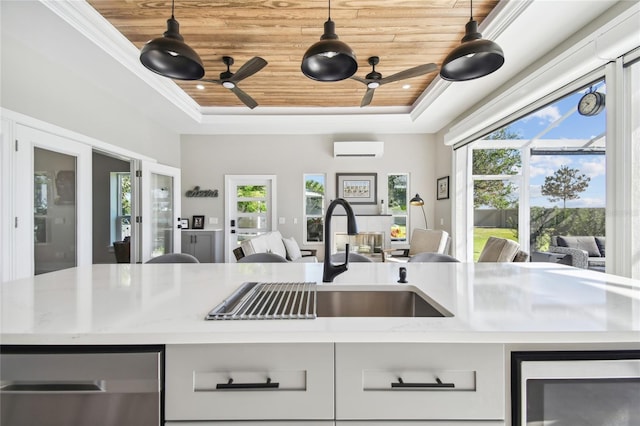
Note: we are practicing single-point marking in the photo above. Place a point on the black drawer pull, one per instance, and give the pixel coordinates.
(437, 384)
(230, 385)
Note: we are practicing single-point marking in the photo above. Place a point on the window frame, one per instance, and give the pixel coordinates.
(463, 163)
(405, 240)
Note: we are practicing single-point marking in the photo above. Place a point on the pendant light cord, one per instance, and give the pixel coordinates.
(329, 10)
(471, 10)
(173, 2)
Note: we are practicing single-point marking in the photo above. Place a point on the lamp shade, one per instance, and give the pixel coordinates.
(416, 201)
(171, 57)
(329, 59)
(474, 58)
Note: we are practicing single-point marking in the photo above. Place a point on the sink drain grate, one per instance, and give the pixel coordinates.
(255, 300)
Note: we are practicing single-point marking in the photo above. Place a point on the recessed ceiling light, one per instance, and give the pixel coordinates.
(200, 86)
(406, 86)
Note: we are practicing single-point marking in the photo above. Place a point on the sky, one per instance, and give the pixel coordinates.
(575, 126)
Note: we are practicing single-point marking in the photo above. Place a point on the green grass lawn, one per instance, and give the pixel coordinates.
(481, 235)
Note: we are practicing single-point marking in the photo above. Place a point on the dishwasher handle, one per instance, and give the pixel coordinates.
(54, 386)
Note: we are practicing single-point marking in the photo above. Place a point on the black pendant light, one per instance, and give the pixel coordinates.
(170, 56)
(329, 59)
(474, 58)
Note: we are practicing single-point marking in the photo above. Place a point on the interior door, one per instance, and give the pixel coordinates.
(160, 200)
(53, 217)
(250, 208)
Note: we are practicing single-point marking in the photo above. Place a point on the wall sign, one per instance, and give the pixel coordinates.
(197, 192)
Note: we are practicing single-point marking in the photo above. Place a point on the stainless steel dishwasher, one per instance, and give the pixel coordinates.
(98, 386)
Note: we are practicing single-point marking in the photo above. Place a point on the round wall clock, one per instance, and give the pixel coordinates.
(591, 103)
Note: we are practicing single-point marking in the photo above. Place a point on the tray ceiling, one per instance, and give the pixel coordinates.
(403, 33)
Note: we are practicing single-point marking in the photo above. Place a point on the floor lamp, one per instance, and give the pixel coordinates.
(417, 201)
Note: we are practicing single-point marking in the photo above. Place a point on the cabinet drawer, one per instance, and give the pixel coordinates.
(249, 382)
(421, 423)
(270, 423)
(419, 381)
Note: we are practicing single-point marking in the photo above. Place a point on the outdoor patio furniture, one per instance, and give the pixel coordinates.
(586, 251)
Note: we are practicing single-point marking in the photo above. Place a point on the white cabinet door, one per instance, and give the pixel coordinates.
(410, 381)
(249, 382)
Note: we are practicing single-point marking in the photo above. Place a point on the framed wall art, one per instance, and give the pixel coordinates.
(357, 188)
(184, 223)
(198, 222)
(442, 188)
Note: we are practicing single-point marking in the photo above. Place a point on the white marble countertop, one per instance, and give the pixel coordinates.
(166, 304)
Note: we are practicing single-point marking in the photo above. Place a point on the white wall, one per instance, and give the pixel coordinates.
(444, 164)
(47, 89)
(206, 159)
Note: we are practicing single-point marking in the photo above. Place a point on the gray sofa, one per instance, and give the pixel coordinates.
(586, 251)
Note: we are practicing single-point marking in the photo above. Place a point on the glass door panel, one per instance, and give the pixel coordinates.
(160, 210)
(54, 211)
(496, 212)
(587, 402)
(161, 214)
(251, 207)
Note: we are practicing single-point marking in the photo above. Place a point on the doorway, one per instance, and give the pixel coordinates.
(112, 204)
(250, 208)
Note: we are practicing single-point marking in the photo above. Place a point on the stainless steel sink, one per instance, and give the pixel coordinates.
(255, 301)
(383, 301)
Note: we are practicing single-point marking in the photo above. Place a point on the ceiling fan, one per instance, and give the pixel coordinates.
(230, 80)
(374, 79)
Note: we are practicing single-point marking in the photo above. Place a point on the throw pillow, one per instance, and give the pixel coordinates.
(293, 249)
(274, 243)
(587, 244)
(600, 244)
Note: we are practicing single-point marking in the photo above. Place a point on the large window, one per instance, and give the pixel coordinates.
(314, 193)
(542, 175)
(397, 187)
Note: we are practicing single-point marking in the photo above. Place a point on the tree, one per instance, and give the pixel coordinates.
(565, 184)
(397, 186)
(314, 186)
(495, 193)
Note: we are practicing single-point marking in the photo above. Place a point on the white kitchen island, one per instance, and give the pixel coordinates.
(167, 303)
(338, 366)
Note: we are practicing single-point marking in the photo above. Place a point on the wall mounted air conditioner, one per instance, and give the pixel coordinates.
(358, 149)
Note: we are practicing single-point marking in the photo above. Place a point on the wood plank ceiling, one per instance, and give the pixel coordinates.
(403, 33)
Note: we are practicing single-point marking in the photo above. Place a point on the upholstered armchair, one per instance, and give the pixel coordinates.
(502, 250)
(422, 241)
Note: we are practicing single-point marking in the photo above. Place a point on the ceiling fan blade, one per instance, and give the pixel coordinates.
(209, 80)
(246, 99)
(251, 67)
(360, 79)
(411, 72)
(366, 99)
